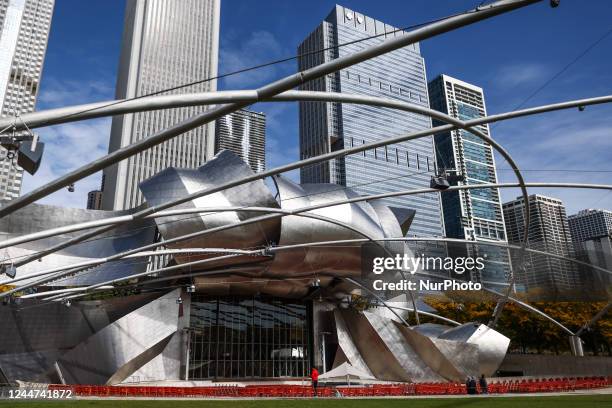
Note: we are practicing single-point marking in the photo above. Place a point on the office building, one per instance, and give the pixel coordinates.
(94, 200)
(244, 133)
(166, 43)
(548, 232)
(591, 232)
(470, 214)
(589, 224)
(326, 127)
(599, 252)
(24, 31)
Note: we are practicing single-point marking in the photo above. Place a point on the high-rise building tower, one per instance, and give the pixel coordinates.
(244, 133)
(326, 127)
(470, 214)
(24, 31)
(166, 43)
(548, 232)
(591, 232)
(94, 200)
(589, 224)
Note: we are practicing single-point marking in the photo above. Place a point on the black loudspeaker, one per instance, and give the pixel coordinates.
(439, 182)
(30, 160)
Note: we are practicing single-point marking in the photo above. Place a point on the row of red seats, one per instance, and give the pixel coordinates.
(552, 384)
(284, 390)
(375, 390)
(296, 391)
(439, 389)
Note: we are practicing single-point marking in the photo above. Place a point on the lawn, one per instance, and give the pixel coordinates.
(570, 401)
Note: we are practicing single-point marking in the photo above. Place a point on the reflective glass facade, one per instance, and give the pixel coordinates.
(549, 232)
(248, 337)
(470, 214)
(328, 127)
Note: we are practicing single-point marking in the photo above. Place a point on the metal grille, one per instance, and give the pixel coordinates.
(248, 337)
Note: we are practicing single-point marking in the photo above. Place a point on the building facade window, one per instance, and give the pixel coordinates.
(248, 337)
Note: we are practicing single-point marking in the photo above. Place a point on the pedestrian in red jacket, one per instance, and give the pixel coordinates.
(314, 376)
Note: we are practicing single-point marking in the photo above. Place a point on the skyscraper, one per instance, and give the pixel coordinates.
(24, 31)
(589, 224)
(591, 232)
(94, 200)
(548, 232)
(326, 127)
(470, 214)
(244, 133)
(166, 43)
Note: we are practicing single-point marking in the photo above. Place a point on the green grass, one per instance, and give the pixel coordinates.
(570, 401)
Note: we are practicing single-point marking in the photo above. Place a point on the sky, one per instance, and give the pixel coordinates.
(510, 57)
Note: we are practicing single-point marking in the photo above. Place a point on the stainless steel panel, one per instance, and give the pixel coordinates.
(347, 345)
(413, 365)
(172, 184)
(492, 345)
(35, 218)
(429, 353)
(381, 361)
(100, 356)
(33, 337)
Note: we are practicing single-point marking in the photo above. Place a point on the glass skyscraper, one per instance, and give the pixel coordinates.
(328, 127)
(166, 43)
(470, 214)
(589, 224)
(591, 232)
(24, 30)
(548, 232)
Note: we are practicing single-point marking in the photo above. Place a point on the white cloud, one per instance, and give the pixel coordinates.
(260, 47)
(68, 147)
(72, 145)
(55, 93)
(518, 75)
(566, 140)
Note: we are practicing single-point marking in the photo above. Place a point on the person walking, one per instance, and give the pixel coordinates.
(484, 387)
(314, 377)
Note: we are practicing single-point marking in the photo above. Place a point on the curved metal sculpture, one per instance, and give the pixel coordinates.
(289, 273)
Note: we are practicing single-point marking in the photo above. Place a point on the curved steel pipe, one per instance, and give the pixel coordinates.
(518, 302)
(144, 254)
(87, 111)
(75, 268)
(352, 241)
(263, 209)
(322, 243)
(357, 149)
(60, 292)
(200, 210)
(320, 96)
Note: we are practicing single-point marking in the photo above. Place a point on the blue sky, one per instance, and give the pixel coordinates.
(517, 53)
